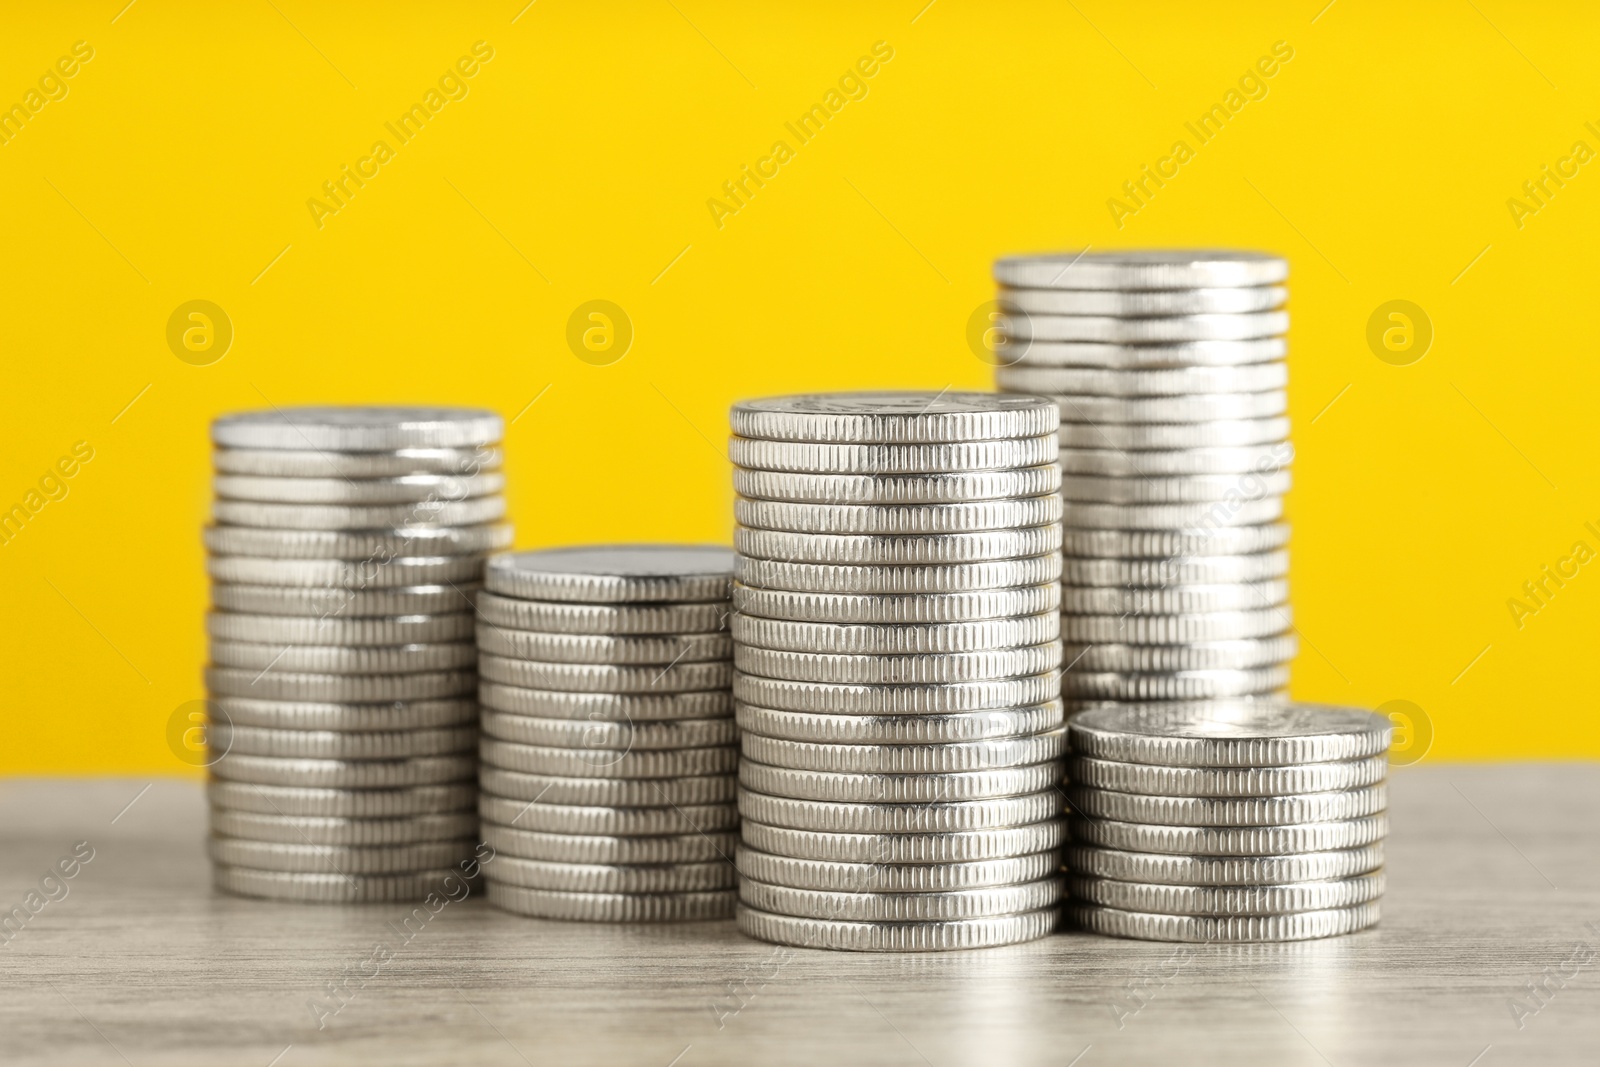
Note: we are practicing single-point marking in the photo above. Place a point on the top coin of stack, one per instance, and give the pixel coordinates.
(897, 654)
(347, 546)
(1169, 371)
(608, 749)
(1227, 821)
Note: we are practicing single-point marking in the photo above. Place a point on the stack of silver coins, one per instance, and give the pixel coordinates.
(896, 639)
(608, 748)
(1170, 374)
(1227, 821)
(346, 549)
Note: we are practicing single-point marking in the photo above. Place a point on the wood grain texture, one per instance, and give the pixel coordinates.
(1494, 876)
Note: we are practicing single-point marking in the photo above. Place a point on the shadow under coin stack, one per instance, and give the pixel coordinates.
(1170, 374)
(1241, 821)
(608, 749)
(347, 546)
(896, 639)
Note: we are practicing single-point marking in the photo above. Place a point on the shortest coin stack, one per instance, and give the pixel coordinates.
(608, 736)
(1226, 821)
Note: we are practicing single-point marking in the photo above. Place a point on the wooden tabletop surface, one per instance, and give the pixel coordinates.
(1494, 883)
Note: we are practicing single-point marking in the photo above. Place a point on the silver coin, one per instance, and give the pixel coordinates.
(895, 699)
(337, 803)
(670, 820)
(833, 638)
(1227, 901)
(1198, 656)
(898, 788)
(897, 488)
(235, 739)
(846, 818)
(405, 489)
(607, 792)
(344, 574)
(603, 734)
(1176, 629)
(1144, 303)
(300, 630)
(1229, 811)
(1141, 269)
(833, 728)
(964, 846)
(357, 429)
(1302, 926)
(1166, 329)
(360, 545)
(1178, 685)
(594, 848)
(646, 650)
(857, 549)
(929, 936)
(613, 877)
(993, 664)
(1231, 734)
(342, 603)
(946, 757)
(607, 763)
(898, 519)
(1165, 381)
(606, 678)
(1188, 489)
(877, 906)
(602, 619)
(1220, 513)
(891, 418)
(342, 659)
(614, 574)
(1210, 540)
(338, 859)
(830, 876)
(321, 830)
(1110, 462)
(1226, 781)
(344, 774)
(1222, 870)
(1086, 431)
(1173, 599)
(1175, 570)
(757, 454)
(312, 463)
(605, 707)
(612, 907)
(472, 512)
(898, 579)
(308, 715)
(1138, 357)
(314, 888)
(910, 608)
(1230, 840)
(337, 688)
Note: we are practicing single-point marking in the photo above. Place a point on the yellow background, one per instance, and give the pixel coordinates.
(578, 167)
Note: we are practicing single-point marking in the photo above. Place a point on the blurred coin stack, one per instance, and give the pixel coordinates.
(1170, 374)
(897, 654)
(346, 548)
(1227, 821)
(608, 748)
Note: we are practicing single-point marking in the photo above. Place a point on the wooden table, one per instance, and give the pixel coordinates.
(1494, 882)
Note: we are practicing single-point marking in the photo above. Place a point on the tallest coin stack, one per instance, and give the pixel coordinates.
(347, 547)
(896, 653)
(1169, 371)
